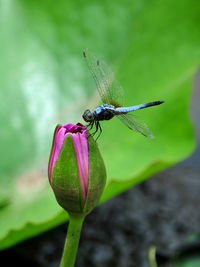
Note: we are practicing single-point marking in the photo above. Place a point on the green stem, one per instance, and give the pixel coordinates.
(152, 256)
(72, 241)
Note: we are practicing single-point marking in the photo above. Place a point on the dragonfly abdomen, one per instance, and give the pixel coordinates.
(124, 110)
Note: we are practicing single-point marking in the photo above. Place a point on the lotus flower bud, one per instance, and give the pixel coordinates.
(76, 170)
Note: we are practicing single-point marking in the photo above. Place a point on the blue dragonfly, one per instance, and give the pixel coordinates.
(112, 95)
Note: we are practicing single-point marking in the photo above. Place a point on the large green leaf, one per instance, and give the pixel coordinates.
(153, 45)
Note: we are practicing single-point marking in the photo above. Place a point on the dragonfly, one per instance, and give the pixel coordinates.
(112, 96)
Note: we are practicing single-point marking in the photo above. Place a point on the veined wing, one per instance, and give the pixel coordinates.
(108, 87)
(136, 124)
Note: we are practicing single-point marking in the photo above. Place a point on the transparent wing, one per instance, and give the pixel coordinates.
(110, 90)
(136, 124)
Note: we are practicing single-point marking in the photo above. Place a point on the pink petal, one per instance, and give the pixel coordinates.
(82, 156)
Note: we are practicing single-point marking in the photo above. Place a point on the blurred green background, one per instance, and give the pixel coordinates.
(154, 48)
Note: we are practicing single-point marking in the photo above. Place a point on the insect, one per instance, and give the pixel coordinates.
(112, 94)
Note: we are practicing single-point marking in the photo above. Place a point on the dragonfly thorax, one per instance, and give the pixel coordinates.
(104, 112)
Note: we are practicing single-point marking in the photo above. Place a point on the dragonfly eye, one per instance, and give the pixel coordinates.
(87, 116)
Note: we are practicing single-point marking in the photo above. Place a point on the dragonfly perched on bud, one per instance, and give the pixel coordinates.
(112, 95)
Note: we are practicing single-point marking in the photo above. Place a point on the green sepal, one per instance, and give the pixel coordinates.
(97, 176)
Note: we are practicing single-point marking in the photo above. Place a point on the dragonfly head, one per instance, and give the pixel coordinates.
(88, 116)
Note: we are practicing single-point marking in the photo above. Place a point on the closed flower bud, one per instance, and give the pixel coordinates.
(76, 169)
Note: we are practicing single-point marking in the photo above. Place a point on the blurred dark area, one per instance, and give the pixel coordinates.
(162, 212)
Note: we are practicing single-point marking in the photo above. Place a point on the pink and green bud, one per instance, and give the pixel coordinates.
(76, 169)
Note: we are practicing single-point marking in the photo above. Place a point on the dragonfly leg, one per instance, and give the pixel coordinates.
(90, 125)
(99, 125)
